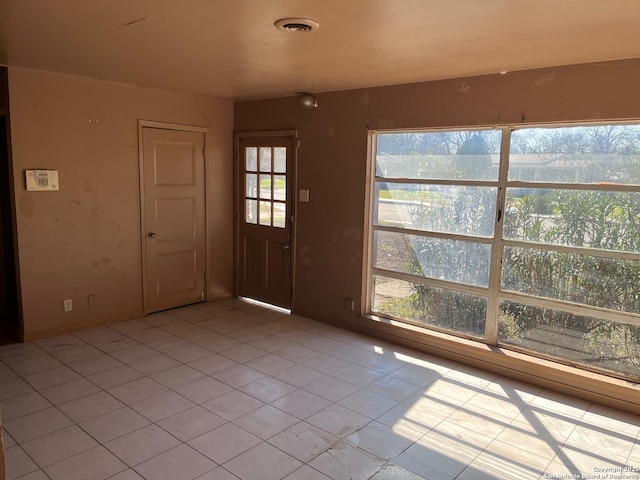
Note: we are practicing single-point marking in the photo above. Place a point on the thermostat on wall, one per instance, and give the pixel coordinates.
(42, 180)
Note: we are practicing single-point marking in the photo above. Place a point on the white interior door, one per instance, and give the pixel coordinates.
(174, 217)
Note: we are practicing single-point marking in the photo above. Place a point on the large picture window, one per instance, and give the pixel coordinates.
(527, 238)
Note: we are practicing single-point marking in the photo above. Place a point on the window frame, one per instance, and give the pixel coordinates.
(372, 214)
(494, 292)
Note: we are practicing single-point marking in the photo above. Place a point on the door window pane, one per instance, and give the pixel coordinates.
(251, 154)
(252, 185)
(280, 187)
(437, 208)
(265, 213)
(279, 214)
(280, 160)
(265, 186)
(265, 159)
(251, 211)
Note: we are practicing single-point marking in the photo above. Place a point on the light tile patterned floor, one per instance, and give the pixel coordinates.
(231, 390)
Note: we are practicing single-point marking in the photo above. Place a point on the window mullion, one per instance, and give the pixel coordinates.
(596, 187)
(432, 234)
(433, 282)
(628, 318)
(437, 181)
(587, 251)
(495, 265)
(371, 218)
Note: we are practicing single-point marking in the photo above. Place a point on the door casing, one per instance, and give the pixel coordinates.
(143, 228)
(10, 307)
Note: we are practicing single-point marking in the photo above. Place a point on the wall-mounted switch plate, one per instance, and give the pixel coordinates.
(42, 180)
(303, 196)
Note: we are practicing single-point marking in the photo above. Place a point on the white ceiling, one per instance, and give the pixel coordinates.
(230, 48)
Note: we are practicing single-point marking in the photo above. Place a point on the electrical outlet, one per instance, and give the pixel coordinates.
(304, 196)
(68, 305)
(349, 304)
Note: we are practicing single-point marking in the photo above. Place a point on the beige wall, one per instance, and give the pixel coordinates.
(333, 161)
(333, 153)
(85, 239)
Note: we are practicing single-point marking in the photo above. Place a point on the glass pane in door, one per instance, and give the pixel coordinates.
(251, 155)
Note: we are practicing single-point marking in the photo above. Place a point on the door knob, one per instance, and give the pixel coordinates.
(151, 235)
(286, 247)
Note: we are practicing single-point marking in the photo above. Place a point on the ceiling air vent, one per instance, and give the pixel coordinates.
(297, 25)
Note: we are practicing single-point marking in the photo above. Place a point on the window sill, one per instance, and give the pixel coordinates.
(595, 387)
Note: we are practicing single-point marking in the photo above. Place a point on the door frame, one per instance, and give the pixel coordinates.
(143, 236)
(237, 136)
(13, 324)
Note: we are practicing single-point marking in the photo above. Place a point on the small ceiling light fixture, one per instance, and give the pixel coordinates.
(296, 25)
(309, 102)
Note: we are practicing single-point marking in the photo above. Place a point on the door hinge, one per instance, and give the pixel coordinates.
(298, 143)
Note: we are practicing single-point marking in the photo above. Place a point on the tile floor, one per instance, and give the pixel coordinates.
(231, 390)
